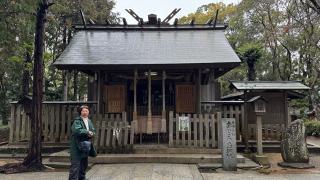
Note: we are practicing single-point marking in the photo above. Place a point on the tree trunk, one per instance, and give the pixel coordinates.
(65, 73)
(26, 75)
(34, 159)
(251, 71)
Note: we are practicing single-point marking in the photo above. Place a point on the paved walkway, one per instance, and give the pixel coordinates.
(252, 175)
(159, 171)
(313, 140)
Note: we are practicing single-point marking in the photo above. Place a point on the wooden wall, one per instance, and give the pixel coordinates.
(275, 108)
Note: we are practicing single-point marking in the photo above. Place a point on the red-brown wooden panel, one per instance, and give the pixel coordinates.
(185, 99)
(115, 98)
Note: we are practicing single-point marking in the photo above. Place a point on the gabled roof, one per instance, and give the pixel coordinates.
(144, 46)
(291, 94)
(268, 85)
(256, 98)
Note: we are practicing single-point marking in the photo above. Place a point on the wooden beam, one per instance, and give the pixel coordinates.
(159, 22)
(149, 121)
(140, 23)
(149, 90)
(199, 91)
(170, 16)
(216, 18)
(176, 22)
(135, 113)
(135, 90)
(163, 119)
(83, 19)
(153, 78)
(245, 120)
(124, 21)
(108, 22)
(133, 14)
(99, 92)
(285, 115)
(91, 22)
(209, 22)
(192, 21)
(163, 90)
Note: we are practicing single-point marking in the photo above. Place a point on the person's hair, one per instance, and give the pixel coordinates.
(82, 107)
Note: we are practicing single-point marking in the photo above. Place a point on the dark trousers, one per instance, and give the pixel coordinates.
(78, 169)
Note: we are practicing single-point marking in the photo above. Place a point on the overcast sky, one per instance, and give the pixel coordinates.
(161, 7)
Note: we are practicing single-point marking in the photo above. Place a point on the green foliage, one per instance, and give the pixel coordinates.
(250, 52)
(284, 35)
(312, 128)
(205, 12)
(17, 29)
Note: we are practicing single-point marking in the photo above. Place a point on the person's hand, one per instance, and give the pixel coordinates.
(90, 133)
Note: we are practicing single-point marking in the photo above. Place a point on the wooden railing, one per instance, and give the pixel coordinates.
(56, 121)
(57, 118)
(113, 133)
(270, 132)
(202, 131)
(235, 109)
(228, 109)
(113, 130)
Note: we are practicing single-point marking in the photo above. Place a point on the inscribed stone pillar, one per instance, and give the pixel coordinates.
(229, 149)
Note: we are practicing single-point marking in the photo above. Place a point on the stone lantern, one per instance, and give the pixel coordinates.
(259, 106)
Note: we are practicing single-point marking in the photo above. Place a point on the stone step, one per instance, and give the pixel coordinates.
(18, 155)
(23, 148)
(160, 149)
(147, 158)
(61, 165)
(249, 164)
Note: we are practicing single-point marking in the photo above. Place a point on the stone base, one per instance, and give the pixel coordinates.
(296, 165)
(261, 159)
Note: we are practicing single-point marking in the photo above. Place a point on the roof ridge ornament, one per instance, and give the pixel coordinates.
(83, 19)
(170, 16)
(216, 18)
(134, 15)
(192, 21)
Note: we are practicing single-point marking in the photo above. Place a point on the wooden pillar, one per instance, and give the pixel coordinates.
(285, 112)
(219, 123)
(135, 113)
(65, 85)
(149, 121)
(89, 89)
(245, 120)
(259, 134)
(99, 94)
(199, 91)
(163, 118)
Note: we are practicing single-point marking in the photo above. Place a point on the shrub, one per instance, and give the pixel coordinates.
(312, 128)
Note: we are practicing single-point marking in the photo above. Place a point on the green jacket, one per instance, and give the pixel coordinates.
(79, 133)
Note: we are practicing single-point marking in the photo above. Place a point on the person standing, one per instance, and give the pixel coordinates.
(81, 145)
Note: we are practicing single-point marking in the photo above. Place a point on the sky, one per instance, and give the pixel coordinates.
(161, 8)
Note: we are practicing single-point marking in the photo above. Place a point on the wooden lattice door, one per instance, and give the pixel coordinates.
(185, 99)
(115, 98)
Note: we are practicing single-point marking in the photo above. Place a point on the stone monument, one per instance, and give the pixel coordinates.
(293, 146)
(229, 147)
